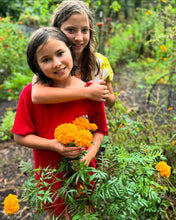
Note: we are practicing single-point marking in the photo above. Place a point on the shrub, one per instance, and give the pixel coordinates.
(13, 64)
(6, 126)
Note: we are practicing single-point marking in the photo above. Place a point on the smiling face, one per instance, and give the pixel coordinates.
(55, 60)
(77, 29)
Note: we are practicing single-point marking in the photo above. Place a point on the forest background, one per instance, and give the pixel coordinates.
(138, 37)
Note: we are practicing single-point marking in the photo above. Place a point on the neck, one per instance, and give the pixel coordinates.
(78, 61)
(62, 83)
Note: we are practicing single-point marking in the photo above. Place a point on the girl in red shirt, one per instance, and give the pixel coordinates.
(51, 57)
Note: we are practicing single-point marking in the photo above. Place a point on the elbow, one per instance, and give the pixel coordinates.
(17, 138)
(35, 99)
(110, 103)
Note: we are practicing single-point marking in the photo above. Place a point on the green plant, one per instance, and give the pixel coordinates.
(13, 65)
(126, 186)
(6, 125)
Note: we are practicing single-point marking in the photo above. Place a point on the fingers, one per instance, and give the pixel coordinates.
(72, 152)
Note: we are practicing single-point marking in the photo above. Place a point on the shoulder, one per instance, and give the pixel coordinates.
(106, 72)
(77, 82)
(26, 92)
(101, 58)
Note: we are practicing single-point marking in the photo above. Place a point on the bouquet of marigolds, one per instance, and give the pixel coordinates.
(77, 133)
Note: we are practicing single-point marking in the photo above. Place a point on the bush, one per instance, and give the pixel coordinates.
(6, 126)
(13, 63)
(127, 186)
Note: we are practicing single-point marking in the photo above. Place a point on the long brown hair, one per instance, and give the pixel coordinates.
(88, 59)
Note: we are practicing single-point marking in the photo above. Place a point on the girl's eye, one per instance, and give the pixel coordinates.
(70, 30)
(60, 54)
(45, 60)
(85, 30)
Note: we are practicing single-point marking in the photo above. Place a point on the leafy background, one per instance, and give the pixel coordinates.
(138, 38)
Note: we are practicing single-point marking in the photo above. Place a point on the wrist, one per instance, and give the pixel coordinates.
(87, 93)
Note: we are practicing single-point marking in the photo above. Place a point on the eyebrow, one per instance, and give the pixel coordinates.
(72, 26)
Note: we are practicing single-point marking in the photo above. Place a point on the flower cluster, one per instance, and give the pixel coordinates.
(77, 133)
(11, 204)
(83, 123)
(164, 169)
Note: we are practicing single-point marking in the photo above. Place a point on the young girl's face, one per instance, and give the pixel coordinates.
(55, 60)
(77, 29)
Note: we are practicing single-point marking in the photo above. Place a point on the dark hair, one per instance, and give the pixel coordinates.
(88, 60)
(40, 37)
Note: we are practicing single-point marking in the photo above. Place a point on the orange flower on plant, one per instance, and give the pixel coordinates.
(83, 123)
(65, 133)
(164, 1)
(170, 108)
(120, 126)
(173, 142)
(83, 138)
(163, 47)
(164, 169)
(11, 204)
(148, 12)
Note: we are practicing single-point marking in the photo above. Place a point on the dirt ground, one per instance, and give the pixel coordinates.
(11, 177)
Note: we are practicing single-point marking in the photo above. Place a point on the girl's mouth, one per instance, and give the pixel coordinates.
(59, 71)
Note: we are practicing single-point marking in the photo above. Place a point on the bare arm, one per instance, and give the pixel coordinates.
(43, 94)
(110, 100)
(36, 142)
(93, 149)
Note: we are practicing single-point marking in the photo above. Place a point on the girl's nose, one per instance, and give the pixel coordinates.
(78, 36)
(56, 62)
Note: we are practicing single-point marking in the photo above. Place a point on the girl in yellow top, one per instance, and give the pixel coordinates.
(75, 19)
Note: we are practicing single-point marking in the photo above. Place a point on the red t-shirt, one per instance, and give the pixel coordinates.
(42, 119)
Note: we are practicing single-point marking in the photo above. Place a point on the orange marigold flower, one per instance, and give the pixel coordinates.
(170, 108)
(83, 123)
(11, 204)
(65, 133)
(163, 47)
(83, 138)
(148, 12)
(19, 32)
(1, 38)
(120, 126)
(20, 22)
(9, 109)
(9, 90)
(173, 143)
(164, 1)
(164, 169)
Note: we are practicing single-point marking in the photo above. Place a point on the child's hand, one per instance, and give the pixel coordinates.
(86, 159)
(66, 151)
(97, 91)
